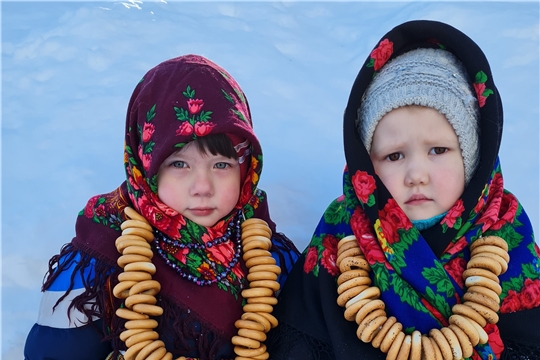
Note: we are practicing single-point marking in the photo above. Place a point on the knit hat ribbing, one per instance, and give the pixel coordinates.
(427, 77)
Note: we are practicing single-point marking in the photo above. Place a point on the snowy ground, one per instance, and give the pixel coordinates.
(68, 69)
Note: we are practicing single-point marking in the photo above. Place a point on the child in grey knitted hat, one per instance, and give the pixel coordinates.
(371, 285)
(419, 122)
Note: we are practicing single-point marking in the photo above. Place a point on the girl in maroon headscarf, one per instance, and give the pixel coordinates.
(192, 165)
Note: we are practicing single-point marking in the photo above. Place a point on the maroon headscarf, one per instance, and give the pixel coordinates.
(176, 102)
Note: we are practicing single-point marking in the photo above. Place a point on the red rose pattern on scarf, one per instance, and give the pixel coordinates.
(312, 259)
(497, 346)
(455, 268)
(329, 254)
(322, 250)
(490, 215)
(381, 54)
(146, 146)
(392, 219)
(195, 121)
(105, 210)
(453, 218)
(364, 185)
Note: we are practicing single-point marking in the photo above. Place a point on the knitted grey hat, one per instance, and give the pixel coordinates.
(428, 77)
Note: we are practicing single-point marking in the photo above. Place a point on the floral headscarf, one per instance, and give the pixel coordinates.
(179, 101)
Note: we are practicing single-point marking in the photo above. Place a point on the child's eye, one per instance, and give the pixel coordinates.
(438, 150)
(179, 164)
(222, 165)
(394, 157)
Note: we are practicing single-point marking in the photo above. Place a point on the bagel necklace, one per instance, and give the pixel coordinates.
(489, 259)
(138, 290)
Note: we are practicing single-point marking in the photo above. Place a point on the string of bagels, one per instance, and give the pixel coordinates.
(138, 290)
(489, 259)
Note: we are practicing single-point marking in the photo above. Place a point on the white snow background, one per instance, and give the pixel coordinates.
(68, 70)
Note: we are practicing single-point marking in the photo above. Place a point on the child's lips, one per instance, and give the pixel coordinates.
(417, 199)
(201, 211)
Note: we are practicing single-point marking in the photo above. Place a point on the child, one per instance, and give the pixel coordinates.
(412, 260)
(192, 166)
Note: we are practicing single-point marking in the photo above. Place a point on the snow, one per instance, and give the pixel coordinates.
(68, 70)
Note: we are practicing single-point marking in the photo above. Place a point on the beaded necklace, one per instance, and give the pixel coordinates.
(233, 229)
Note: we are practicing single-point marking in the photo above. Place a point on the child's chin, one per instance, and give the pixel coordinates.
(421, 215)
(199, 221)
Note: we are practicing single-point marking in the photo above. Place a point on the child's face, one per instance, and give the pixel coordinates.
(416, 153)
(202, 187)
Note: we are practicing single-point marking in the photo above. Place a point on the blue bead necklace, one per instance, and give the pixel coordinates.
(220, 270)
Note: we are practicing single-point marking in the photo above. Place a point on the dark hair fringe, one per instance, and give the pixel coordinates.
(216, 144)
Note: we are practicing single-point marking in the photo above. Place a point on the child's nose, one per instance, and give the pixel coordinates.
(202, 184)
(417, 174)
